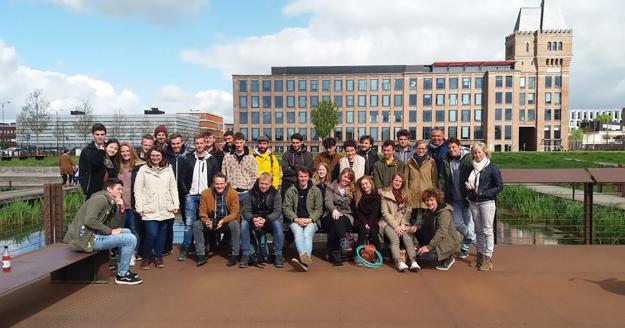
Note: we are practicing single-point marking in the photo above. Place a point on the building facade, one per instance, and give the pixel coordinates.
(578, 116)
(7, 134)
(514, 104)
(209, 122)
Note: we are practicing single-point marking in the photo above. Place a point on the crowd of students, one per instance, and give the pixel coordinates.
(435, 199)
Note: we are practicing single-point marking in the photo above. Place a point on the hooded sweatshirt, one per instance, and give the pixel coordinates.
(404, 155)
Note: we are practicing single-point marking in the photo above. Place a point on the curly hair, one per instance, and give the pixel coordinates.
(433, 192)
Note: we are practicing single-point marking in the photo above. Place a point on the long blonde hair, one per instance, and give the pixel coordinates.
(328, 177)
(133, 157)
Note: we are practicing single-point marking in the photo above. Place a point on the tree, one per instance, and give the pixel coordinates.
(59, 131)
(601, 119)
(324, 118)
(118, 121)
(85, 120)
(35, 115)
(576, 135)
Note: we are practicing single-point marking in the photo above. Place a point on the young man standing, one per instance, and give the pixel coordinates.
(403, 150)
(96, 227)
(176, 153)
(228, 142)
(91, 166)
(160, 136)
(384, 169)
(456, 168)
(199, 169)
(240, 166)
(351, 160)
(219, 211)
(295, 157)
(330, 157)
(213, 149)
(147, 141)
(302, 208)
(368, 153)
(266, 161)
(437, 147)
(262, 213)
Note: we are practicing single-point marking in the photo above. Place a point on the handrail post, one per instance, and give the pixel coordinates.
(588, 213)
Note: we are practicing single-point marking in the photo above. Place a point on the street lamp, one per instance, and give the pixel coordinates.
(4, 102)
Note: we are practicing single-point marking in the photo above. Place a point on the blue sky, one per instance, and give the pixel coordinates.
(129, 55)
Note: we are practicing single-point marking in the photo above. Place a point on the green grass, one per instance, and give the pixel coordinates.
(587, 159)
(31, 161)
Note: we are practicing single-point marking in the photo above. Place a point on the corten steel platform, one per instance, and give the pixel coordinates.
(531, 286)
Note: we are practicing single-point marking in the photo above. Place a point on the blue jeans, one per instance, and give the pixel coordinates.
(430, 256)
(126, 241)
(132, 221)
(304, 237)
(155, 235)
(274, 227)
(191, 205)
(464, 223)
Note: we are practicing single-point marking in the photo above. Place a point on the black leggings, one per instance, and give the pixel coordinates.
(337, 230)
(372, 236)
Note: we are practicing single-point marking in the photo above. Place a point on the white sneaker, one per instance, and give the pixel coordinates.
(401, 267)
(133, 259)
(414, 266)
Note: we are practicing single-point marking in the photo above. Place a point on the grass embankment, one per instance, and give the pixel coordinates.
(20, 218)
(532, 208)
(572, 159)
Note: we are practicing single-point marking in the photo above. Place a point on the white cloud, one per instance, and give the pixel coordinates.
(66, 91)
(359, 32)
(158, 11)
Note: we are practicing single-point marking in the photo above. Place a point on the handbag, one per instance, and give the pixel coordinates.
(368, 252)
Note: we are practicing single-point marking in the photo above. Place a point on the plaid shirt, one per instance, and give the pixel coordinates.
(241, 175)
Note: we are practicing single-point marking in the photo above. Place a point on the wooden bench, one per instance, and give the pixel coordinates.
(61, 261)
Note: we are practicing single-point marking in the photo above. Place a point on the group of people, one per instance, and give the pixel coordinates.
(436, 199)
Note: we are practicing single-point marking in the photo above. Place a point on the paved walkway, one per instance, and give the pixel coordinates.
(532, 286)
(567, 192)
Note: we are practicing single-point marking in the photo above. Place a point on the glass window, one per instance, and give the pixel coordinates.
(386, 84)
(266, 85)
(314, 85)
(373, 132)
(266, 101)
(440, 116)
(290, 117)
(547, 114)
(398, 116)
(427, 99)
(301, 85)
(301, 101)
(556, 114)
(531, 114)
(339, 117)
(465, 116)
(427, 116)
(498, 81)
(243, 86)
(361, 132)
(427, 132)
(386, 100)
(386, 133)
(338, 100)
(440, 83)
(254, 85)
(325, 85)
(522, 82)
(531, 82)
(362, 85)
(478, 99)
(243, 101)
(498, 114)
(255, 133)
(498, 132)
(362, 101)
(548, 81)
(466, 83)
(412, 116)
(477, 115)
(465, 132)
(279, 117)
(255, 117)
(338, 85)
(508, 81)
(508, 97)
(362, 117)
(349, 101)
(386, 116)
(314, 135)
(255, 101)
(290, 132)
(478, 133)
(266, 117)
(338, 134)
(303, 131)
(508, 132)
(279, 102)
(453, 100)
(508, 114)
(373, 101)
(453, 83)
(522, 115)
(558, 81)
(279, 134)
(349, 133)
(498, 98)
(242, 117)
(547, 98)
(290, 101)
(399, 85)
(427, 83)
(478, 82)
(290, 85)
(453, 116)
(373, 117)
(440, 100)
(398, 100)
(522, 99)
(373, 84)
(452, 132)
(466, 99)
(278, 86)
(314, 101)
(413, 83)
(325, 98)
(302, 117)
(349, 85)
(556, 98)
(530, 98)
(412, 100)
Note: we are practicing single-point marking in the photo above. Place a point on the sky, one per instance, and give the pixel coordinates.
(130, 55)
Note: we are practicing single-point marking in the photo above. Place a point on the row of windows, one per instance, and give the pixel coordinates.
(359, 101)
(616, 115)
(554, 46)
(360, 84)
(528, 99)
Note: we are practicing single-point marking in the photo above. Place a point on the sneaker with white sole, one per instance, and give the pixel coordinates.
(415, 266)
(464, 254)
(446, 264)
(128, 279)
(298, 266)
(401, 267)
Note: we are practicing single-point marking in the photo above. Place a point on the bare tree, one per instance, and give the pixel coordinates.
(117, 130)
(147, 127)
(35, 115)
(59, 131)
(85, 120)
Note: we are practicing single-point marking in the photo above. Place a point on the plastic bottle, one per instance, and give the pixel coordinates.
(6, 260)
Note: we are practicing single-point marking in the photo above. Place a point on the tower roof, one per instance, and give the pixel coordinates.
(546, 17)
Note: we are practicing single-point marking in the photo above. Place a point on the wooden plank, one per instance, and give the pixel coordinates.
(608, 175)
(545, 176)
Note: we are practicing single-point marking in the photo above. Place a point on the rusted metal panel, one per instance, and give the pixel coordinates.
(545, 176)
(608, 175)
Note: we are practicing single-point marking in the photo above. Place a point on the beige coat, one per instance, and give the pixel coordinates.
(417, 179)
(156, 193)
(359, 166)
(393, 214)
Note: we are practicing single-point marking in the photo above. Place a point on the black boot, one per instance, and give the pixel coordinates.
(336, 258)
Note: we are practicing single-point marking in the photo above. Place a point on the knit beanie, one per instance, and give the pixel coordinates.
(160, 128)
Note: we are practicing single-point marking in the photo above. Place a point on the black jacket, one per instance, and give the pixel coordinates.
(177, 164)
(490, 184)
(292, 160)
(370, 158)
(187, 172)
(267, 205)
(445, 182)
(91, 169)
(219, 157)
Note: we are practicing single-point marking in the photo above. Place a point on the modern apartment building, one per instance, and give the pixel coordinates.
(578, 116)
(512, 104)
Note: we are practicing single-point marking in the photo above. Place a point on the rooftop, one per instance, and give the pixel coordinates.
(547, 17)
